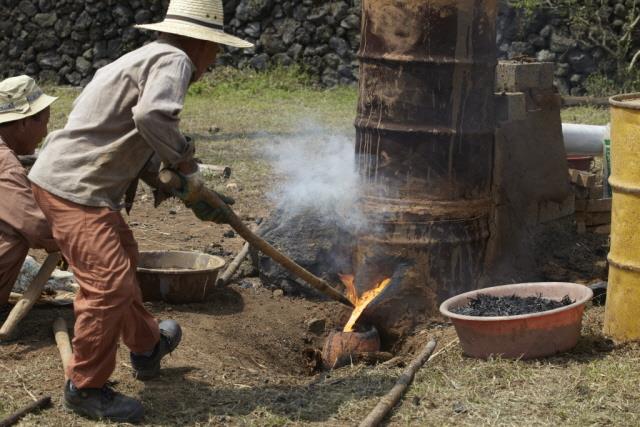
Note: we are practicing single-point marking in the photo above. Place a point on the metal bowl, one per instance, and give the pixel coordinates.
(177, 277)
(524, 336)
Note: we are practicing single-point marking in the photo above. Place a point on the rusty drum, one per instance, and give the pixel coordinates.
(424, 140)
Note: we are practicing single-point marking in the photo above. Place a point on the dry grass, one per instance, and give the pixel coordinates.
(593, 385)
(586, 115)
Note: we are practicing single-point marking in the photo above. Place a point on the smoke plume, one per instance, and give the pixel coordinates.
(317, 172)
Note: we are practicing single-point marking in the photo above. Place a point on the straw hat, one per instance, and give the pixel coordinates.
(198, 19)
(20, 97)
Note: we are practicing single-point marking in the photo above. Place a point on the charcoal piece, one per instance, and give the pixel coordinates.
(484, 305)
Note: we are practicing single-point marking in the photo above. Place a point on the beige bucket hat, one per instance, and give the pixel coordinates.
(20, 97)
(198, 19)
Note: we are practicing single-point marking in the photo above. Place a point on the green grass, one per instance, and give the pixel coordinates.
(586, 115)
(282, 100)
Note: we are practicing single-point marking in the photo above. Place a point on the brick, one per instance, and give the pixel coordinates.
(598, 218)
(581, 205)
(513, 76)
(601, 229)
(510, 106)
(598, 205)
(582, 179)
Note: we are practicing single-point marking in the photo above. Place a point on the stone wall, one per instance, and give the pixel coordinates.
(324, 35)
(65, 41)
(546, 36)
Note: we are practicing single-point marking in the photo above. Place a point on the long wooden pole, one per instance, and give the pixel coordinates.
(390, 399)
(63, 342)
(30, 296)
(172, 180)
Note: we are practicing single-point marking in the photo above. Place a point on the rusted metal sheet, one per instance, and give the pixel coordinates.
(424, 138)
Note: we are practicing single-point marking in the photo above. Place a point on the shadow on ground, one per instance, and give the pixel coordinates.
(174, 399)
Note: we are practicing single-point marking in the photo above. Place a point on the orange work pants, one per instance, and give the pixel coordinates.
(13, 251)
(103, 254)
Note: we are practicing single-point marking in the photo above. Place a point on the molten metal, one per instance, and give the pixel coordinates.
(362, 302)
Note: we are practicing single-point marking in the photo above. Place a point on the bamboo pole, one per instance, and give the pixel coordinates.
(390, 399)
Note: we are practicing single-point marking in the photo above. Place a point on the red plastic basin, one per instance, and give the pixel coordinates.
(525, 336)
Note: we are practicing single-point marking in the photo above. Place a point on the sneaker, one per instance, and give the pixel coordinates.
(102, 404)
(148, 367)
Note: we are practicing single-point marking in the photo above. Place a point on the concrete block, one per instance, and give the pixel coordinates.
(510, 106)
(513, 76)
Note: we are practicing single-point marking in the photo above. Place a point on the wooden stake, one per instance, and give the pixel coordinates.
(225, 277)
(30, 296)
(390, 399)
(33, 406)
(61, 334)
(233, 266)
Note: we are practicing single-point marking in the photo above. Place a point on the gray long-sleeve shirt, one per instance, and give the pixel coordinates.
(126, 113)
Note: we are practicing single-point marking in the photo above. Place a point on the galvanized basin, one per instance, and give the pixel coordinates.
(177, 277)
(525, 336)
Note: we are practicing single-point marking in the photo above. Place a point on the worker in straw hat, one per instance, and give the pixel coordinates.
(125, 116)
(24, 115)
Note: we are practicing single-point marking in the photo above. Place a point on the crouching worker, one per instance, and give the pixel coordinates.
(24, 115)
(126, 116)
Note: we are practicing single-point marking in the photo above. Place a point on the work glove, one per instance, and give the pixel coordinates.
(188, 193)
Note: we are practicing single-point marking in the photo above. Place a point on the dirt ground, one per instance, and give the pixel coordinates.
(242, 358)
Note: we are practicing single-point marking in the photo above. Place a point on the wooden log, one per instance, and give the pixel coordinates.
(33, 406)
(390, 399)
(63, 342)
(225, 277)
(30, 296)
